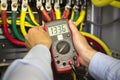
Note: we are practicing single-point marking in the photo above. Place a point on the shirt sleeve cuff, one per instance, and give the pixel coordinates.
(37, 54)
(99, 64)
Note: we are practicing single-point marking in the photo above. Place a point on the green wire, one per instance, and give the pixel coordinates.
(14, 27)
(26, 17)
(28, 20)
(76, 15)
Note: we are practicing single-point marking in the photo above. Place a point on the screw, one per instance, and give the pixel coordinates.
(3, 45)
(4, 5)
(25, 5)
(4, 60)
(15, 5)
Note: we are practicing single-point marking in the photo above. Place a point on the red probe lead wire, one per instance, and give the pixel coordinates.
(5, 29)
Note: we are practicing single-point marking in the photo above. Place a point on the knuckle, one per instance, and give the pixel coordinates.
(30, 30)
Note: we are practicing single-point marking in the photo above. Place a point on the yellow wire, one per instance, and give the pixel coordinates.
(81, 17)
(22, 22)
(32, 16)
(81, 27)
(100, 3)
(57, 14)
(107, 50)
(26, 24)
(72, 15)
(18, 23)
(115, 4)
(74, 76)
(0, 8)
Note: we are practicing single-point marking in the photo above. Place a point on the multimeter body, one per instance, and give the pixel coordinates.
(62, 48)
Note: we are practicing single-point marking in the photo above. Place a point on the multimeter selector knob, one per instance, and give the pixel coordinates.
(63, 47)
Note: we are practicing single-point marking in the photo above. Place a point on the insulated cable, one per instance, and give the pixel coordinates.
(39, 14)
(101, 3)
(49, 9)
(72, 15)
(81, 17)
(14, 7)
(18, 23)
(32, 16)
(76, 14)
(5, 28)
(74, 76)
(26, 17)
(22, 22)
(52, 14)
(22, 17)
(45, 14)
(81, 27)
(58, 14)
(66, 12)
(115, 4)
(96, 44)
(14, 27)
(57, 10)
(107, 50)
(76, 11)
(71, 63)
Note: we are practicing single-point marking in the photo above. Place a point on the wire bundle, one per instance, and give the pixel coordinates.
(30, 21)
(25, 22)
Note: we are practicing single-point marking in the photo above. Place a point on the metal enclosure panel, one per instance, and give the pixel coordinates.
(109, 33)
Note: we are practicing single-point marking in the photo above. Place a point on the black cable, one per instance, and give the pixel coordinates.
(104, 24)
(40, 15)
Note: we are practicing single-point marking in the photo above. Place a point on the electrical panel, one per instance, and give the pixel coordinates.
(99, 23)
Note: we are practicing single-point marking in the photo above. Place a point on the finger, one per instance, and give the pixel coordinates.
(27, 44)
(72, 27)
(41, 28)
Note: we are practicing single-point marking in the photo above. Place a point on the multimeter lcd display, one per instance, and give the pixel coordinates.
(59, 29)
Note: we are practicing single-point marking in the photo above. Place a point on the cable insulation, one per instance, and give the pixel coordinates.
(107, 50)
(32, 16)
(81, 17)
(14, 27)
(22, 23)
(5, 29)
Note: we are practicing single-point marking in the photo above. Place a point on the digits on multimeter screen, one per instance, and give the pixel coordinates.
(59, 29)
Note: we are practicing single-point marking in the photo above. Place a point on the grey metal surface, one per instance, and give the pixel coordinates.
(110, 33)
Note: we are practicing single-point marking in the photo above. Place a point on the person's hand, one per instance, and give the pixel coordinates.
(85, 51)
(36, 36)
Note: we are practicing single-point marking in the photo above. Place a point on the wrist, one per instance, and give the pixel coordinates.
(87, 56)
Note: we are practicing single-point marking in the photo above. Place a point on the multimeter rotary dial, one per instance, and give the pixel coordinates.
(63, 47)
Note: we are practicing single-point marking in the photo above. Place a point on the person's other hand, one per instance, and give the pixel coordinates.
(36, 36)
(85, 51)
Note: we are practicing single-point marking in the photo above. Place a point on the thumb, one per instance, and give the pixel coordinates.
(72, 27)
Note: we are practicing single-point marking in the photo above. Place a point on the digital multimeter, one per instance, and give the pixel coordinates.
(62, 48)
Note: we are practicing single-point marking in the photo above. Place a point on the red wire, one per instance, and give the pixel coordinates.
(99, 47)
(46, 16)
(5, 28)
(53, 14)
(65, 14)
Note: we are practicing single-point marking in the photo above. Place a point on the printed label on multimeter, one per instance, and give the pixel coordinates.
(62, 46)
